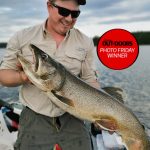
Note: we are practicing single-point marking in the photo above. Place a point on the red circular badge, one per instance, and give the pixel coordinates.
(117, 49)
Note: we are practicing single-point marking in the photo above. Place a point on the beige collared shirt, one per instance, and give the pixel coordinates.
(75, 53)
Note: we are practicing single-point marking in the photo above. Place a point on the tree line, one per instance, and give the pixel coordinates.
(143, 38)
(3, 45)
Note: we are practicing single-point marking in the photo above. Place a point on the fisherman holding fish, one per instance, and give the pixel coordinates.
(43, 125)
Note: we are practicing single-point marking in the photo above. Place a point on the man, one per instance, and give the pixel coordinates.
(43, 124)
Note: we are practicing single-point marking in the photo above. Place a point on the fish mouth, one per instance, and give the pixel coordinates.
(41, 65)
(36, 57)
(34, 65)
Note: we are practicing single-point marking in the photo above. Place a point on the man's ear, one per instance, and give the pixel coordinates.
(49, 6)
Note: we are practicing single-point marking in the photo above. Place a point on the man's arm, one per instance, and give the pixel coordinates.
(11, 78)
(95, 84)
(88, 67)
(11, 73)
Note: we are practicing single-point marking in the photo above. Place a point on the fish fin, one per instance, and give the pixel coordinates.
(115, 92)
(64, 99)
(107, 124)
(133, 144)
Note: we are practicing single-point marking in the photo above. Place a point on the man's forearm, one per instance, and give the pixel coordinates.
(95, 84)
(11, 78)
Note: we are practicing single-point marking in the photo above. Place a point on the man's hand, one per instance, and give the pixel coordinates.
(19, 66)
(22, 75)
(109, 125)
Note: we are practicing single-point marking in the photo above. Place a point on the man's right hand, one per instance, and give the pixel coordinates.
(12, 78)
(23, 76)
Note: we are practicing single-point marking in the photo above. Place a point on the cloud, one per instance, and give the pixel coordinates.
(106, 9)
(24, 9)
(126, 19)
(17, 14)
(4, 10)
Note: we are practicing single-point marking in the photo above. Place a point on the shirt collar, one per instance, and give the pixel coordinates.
(44, 28)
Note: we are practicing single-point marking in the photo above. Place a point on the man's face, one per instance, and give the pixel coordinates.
(61, 24)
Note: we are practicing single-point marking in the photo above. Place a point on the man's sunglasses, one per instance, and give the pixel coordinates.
(66, 12)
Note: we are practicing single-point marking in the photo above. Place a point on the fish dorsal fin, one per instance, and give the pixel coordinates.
(65, 100)
(107, 124)
(115, 92)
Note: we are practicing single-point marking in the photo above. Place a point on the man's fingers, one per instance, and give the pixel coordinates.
(19, 66)
(24, 77)
(111, 126)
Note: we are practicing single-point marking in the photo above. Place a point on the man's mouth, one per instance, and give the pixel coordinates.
(66, 24)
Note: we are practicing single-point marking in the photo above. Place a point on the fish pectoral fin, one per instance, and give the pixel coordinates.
(133, 144)
(107, 124)
(115, 92)
(65, 100)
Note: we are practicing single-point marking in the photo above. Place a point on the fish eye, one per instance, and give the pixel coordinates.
(44, 56)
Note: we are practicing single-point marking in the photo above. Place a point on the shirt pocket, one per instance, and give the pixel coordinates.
(73, 60)
(78, 54)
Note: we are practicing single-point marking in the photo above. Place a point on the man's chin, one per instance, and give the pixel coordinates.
(64, 31)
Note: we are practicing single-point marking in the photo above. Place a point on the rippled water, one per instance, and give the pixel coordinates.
(135, 81)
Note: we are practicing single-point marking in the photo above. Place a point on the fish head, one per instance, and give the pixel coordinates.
(41, 72)
(42, 66)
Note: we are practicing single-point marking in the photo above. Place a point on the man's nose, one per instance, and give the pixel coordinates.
(69, 18)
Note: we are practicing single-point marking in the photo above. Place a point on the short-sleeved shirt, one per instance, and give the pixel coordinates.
(75, 52)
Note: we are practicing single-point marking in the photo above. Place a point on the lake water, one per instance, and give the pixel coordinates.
(135, 81)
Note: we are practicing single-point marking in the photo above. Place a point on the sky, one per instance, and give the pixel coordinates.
(97, 16)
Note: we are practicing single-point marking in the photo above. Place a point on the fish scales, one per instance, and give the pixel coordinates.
(78, 98)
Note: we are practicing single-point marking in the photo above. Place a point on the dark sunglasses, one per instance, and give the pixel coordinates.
(66, 12)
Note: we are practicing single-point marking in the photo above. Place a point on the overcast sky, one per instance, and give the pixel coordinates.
(97, 17)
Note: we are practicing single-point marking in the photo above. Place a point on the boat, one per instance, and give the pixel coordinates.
(9, 124)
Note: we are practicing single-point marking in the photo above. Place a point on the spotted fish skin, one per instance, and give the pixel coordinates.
(78, 98)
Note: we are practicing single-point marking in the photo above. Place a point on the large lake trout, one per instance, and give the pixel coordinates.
(78, 98)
